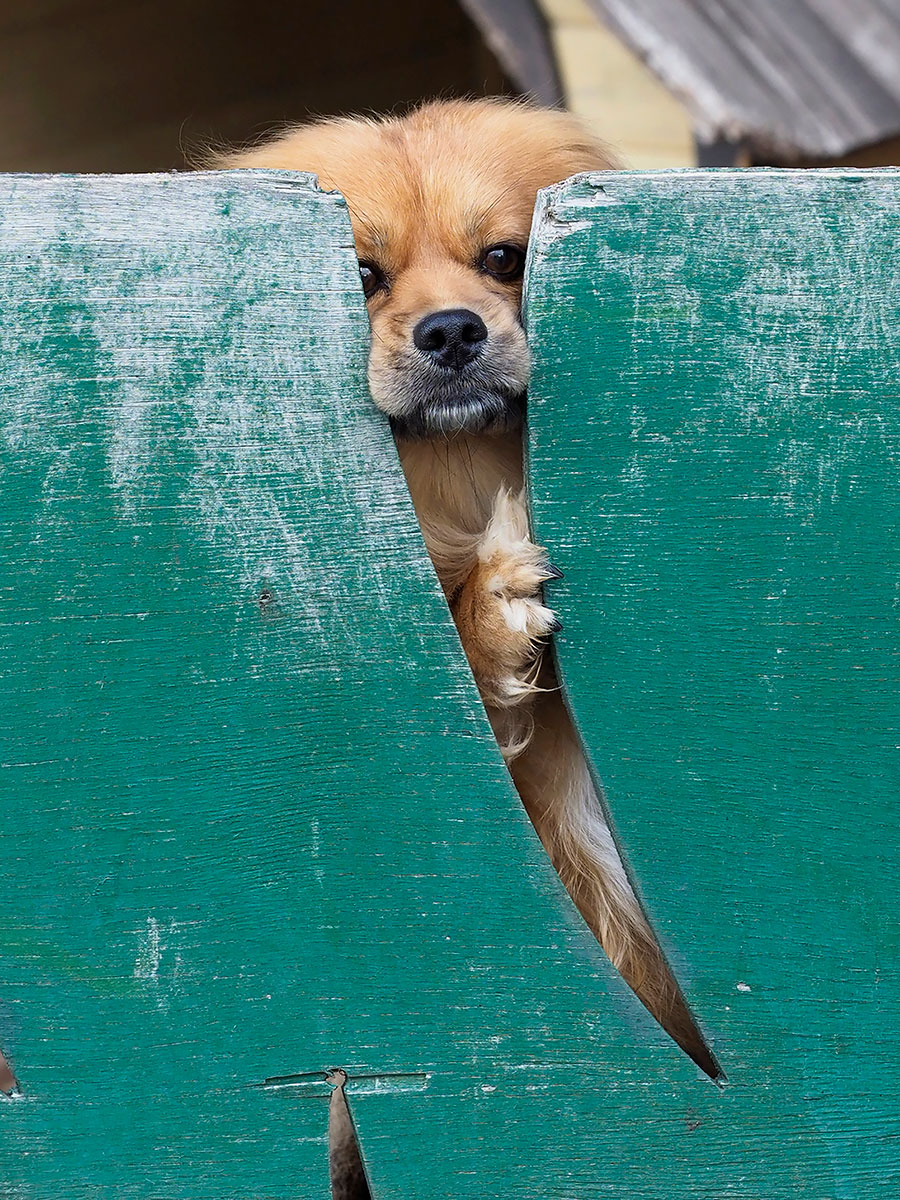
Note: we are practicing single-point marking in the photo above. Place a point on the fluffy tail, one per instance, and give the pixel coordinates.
(554, 782)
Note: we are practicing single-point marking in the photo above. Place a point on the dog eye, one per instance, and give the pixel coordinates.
(373, 279)
(504, 262)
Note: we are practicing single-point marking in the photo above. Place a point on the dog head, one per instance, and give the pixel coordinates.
(441, 203)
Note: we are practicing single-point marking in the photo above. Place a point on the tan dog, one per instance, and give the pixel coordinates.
(441, 203)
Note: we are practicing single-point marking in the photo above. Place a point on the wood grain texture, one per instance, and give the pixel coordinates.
(255, 825)
(715, 449)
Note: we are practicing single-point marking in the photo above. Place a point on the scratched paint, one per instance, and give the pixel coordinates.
(220, 756)
(151, 370)
(714, 450)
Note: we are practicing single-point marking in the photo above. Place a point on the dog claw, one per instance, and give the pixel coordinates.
(553, 572)
(556, 627)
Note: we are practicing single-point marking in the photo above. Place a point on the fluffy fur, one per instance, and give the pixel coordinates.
(429, 195)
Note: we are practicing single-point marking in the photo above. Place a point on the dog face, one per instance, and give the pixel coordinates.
(441, 204)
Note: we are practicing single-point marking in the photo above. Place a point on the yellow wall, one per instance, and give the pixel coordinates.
(612, 89)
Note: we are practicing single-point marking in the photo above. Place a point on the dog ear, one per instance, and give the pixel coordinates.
(589, 156)
(274, 149)
(553, 143)
(578, 148)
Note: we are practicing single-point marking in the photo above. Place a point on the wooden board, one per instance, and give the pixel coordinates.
(715, 452)
(255, 825)
(254, 822)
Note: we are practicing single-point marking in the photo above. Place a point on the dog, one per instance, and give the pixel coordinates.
(441, 203)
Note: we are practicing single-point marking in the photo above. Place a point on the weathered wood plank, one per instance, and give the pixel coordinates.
(255, 824)
(254, 821)
(715, 449)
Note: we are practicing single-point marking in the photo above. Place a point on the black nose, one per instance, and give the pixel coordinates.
(451, 338)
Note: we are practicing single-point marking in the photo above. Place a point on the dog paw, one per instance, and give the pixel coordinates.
(499, 611)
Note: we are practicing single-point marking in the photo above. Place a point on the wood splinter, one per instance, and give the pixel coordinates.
(348, 1176)
(8, 1082)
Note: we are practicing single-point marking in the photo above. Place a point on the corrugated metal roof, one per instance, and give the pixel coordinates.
(815, 78)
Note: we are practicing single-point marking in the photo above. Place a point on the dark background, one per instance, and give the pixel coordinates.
(137, 85)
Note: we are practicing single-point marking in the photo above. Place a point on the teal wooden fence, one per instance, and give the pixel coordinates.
(255, 825)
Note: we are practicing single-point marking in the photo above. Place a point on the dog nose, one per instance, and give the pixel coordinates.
(451, 338)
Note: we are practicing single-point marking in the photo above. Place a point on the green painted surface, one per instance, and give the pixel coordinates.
(715, 454)
(254, 822)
